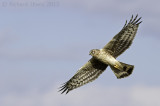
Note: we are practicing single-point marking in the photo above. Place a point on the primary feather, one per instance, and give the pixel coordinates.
(124, 38)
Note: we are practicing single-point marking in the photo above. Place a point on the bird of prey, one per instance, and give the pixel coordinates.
(102, 58)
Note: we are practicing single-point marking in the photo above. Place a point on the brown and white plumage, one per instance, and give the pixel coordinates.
(124, 38)
(87, 73)
(106, 56)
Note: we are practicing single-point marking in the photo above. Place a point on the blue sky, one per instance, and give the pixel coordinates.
(42, 47)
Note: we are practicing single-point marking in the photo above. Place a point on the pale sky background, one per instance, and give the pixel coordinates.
(43, 45)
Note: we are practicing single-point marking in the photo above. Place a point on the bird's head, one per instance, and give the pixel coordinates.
(94, 52)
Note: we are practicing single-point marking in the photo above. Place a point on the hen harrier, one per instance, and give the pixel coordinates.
(102, 58)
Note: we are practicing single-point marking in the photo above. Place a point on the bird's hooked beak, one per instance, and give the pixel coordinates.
(90, 53)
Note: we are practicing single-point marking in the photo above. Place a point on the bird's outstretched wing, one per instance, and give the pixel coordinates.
(87, 73)
(124, 38)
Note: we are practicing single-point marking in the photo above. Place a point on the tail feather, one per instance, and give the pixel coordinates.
(125, 72)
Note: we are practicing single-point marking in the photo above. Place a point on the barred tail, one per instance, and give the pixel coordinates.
(125, 72)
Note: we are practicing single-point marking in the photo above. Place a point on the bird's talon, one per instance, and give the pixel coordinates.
(116, 66)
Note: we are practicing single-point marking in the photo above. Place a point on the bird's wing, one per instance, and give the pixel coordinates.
(124, 38)
(87, 73)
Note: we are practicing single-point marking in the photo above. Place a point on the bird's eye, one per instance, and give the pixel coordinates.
(93, 52)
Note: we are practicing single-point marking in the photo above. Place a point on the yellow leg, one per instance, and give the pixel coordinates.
(117, 66)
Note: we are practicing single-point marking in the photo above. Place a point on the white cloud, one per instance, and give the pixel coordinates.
(146, 96)
(115, 5)
(147, 9)
(113, 96)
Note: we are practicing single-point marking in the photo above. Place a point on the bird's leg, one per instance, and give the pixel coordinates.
(117, 66)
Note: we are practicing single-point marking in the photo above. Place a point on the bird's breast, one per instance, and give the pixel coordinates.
(106, 57)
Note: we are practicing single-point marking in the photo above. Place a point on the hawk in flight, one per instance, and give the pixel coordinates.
(102, 58)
